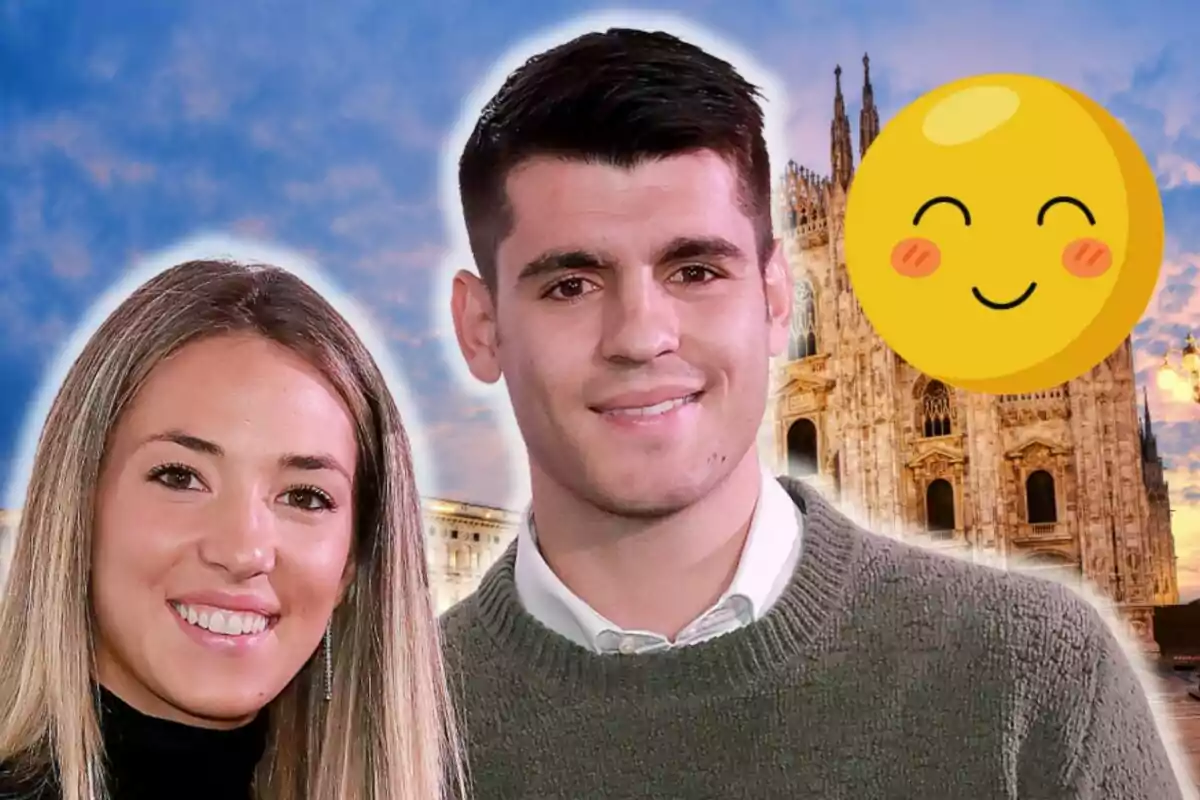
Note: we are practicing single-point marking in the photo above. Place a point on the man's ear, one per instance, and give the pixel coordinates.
(778, 285)
(474, 311)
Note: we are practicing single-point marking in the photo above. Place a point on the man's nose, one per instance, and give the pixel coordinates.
(241, 537)
(641, 320)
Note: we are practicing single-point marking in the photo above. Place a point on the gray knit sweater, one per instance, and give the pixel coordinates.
(884, 671)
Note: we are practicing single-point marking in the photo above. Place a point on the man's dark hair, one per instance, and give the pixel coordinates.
(619, 97)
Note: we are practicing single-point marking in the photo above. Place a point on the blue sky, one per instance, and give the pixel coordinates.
(320, 126)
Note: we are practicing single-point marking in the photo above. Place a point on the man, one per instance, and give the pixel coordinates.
(672, 621)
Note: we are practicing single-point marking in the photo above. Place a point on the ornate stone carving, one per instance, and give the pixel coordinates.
(1037, 449)
(802, 402)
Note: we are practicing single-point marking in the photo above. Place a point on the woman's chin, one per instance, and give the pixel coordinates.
(218, 707)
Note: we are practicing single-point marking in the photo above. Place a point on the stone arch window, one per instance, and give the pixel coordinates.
(935, 410)
(1041, 505)
(802, 448)
(939, 508)
(804, 321)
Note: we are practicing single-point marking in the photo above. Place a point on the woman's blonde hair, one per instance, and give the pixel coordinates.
(388, 733)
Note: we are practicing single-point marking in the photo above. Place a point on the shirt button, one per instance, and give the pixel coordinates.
(627, 646)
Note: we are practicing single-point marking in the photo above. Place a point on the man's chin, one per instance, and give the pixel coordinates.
(648, 502)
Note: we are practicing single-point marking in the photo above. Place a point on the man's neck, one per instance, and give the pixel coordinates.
(651, 575)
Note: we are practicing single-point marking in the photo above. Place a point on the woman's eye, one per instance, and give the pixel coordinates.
(309, 499)
(176, 477)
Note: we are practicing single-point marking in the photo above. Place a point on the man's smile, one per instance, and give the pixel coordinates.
(1003, 306)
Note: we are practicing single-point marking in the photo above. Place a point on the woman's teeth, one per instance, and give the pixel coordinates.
(216, 620)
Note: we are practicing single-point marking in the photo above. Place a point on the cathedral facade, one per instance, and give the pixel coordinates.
(1067, 480)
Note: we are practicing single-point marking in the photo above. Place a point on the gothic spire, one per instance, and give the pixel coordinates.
(841, 151)
(1149, 440)
(868, 118)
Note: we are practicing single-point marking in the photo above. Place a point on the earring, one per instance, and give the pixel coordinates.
(327, 646)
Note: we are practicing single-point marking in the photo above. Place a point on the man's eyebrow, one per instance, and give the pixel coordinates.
(683, 248)
(680, 248)
(561, 261)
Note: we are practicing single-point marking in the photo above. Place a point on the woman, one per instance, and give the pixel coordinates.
(219, 583)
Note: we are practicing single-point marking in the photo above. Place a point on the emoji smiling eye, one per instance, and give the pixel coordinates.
(1083, 258)
(937, 201)
(1071, 201)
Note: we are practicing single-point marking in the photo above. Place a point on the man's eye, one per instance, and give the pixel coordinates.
(568, 289)
(695, 273)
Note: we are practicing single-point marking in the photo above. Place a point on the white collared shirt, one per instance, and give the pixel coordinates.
(768, 559)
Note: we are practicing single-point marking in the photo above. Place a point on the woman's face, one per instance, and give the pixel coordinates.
(223, 531)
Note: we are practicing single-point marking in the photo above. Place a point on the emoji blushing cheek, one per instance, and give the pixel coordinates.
(916, 258)
(1087, 258)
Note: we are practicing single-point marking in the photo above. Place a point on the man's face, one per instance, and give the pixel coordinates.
(632, 324)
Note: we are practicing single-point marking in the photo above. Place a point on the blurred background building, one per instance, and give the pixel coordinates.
(464, 540)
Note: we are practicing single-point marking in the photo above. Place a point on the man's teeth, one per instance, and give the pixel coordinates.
(654, 410)
(229, 623)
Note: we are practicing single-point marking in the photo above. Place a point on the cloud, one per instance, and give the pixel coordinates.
(366, 214)
(1174, 311)
(387, 107)
(67, 135)
(474, 458)
(252, 227)
(1175, 171)
(191, 85)
(1185, 524)
(24, 327)
(394, 264)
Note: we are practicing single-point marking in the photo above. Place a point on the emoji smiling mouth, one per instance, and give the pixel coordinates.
(1003, 306)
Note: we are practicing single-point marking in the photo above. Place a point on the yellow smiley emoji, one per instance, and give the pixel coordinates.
(1004, 234)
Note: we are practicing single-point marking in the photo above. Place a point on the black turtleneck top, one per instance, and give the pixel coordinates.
(149, 758)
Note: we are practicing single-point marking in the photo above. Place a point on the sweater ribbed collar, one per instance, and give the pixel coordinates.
(788, 632)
